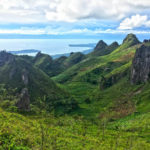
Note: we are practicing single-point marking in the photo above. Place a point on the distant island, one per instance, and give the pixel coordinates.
(29, 51)
(83, 45)
(24, 51)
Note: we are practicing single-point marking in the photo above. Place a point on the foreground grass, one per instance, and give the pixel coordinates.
(25, 132)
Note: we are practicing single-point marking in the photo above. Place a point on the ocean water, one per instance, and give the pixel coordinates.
(48, 46)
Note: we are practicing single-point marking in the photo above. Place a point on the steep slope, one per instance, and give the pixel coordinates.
(129, 41)
(18, 74)
(74, 59)
(102, 49)
(99, 49)
(44, 62)
(58, 66)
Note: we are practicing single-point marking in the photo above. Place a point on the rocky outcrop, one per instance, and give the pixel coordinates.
(25, 77)
(24, 101)
(6, 58)
(140, 72)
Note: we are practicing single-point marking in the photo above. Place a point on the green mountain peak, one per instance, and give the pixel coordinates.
(131, 39)
(99, 49)
(100, 45)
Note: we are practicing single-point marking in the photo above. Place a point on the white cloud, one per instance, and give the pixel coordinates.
(24, 31)
(32, 11)
(45, 11)
(46, 30)
(63, 31)
(72, 10)
(135, 22)
(23, 11)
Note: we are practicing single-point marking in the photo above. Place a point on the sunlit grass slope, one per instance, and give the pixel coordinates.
(34, 132)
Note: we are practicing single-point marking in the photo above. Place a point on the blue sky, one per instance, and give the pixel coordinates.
(74, 18)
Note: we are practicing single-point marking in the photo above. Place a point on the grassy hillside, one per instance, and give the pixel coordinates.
(101, 83)
(30, 132)
(103, 49)
(44, 62)
(19, 74)
(56, 66)
(113, 114)
(93, 63)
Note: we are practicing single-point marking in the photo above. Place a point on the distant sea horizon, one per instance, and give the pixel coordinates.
(47, 46)
(57, 45)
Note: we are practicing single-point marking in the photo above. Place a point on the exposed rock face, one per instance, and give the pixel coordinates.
(24, 101)
(25, 77)
(6, 58)
(140, 72)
